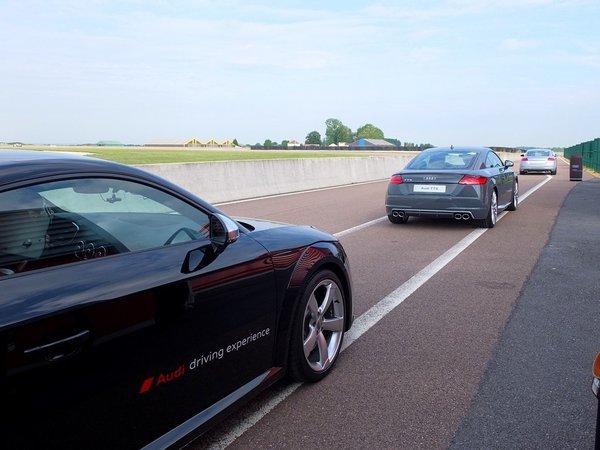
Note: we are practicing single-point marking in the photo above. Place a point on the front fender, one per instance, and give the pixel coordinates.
(319, 256)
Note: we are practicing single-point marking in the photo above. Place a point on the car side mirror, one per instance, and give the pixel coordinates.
(223, 231)
(508, 163)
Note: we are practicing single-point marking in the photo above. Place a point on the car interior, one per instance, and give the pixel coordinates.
(93, 221)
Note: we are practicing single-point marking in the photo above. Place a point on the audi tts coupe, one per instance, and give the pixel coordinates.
(134, 314)
(463, 183)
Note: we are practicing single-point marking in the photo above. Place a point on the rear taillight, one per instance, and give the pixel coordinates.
(524, 159)
(551, 159)
(396, 179)
(472, 179)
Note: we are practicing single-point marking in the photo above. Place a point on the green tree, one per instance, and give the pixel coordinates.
(235, 142)
(284, 143)
(369, 131)
(337, 132)
(314, 137)
(268, 143)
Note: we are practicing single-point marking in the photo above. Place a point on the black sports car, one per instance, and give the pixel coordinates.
(134, 314)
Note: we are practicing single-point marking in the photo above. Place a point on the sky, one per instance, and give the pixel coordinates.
(443, 72)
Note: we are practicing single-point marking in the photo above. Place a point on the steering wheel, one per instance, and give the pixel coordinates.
(192, 234)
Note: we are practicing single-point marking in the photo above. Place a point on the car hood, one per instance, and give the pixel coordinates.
(259, 224)
(276, 235)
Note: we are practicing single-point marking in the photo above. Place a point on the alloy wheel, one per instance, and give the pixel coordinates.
(323, 325)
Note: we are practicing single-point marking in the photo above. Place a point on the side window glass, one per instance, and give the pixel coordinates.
(492, 160)
(67, 221)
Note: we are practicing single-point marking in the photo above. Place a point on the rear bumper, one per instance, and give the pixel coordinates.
(471, 200)
(450, 213)
(439, 206)
(537, 168)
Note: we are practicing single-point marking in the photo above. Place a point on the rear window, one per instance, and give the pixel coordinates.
(443, 160)
(532, 153)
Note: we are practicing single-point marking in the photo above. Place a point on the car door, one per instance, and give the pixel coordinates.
(502, 176)
(119, 319)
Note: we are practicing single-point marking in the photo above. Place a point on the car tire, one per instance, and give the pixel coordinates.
(492, 215)
(398, 220)
(553, 172)
(521, 172)
(514, 204)
(318, 328)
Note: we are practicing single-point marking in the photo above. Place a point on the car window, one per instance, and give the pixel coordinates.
(443, 160)
(67, 221)
(492, 160)
(543, 153)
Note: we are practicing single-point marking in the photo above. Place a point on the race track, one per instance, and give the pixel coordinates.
(432, 300)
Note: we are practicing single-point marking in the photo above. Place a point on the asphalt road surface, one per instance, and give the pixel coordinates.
(464, 337)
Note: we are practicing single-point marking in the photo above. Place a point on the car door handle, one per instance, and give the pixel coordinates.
(62, 348)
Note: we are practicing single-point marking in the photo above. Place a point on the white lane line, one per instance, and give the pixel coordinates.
(368, 319)
(359, 227)
(535, 188)
(377, 312)
(273, 399)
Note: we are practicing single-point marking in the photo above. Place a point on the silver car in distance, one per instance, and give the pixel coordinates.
(538, 160)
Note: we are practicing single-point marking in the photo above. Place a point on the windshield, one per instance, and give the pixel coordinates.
(443, 160)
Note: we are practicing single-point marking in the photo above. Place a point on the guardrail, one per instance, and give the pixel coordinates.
(589, 151)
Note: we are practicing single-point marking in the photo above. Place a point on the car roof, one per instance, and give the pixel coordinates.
(23, 165)
(459, 148)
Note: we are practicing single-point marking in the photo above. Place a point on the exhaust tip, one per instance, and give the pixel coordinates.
(457, 216)
(466, 216)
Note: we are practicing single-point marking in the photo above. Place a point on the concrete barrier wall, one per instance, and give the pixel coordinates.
(235, 180)
(226, 181)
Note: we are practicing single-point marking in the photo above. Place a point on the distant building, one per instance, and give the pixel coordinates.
(294, 144)
(372, 144)
(109, 144)
(340, 145)
(211, 143)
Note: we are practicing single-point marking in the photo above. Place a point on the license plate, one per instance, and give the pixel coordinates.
(430, 188)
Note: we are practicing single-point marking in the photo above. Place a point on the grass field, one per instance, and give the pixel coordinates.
(144, 155)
